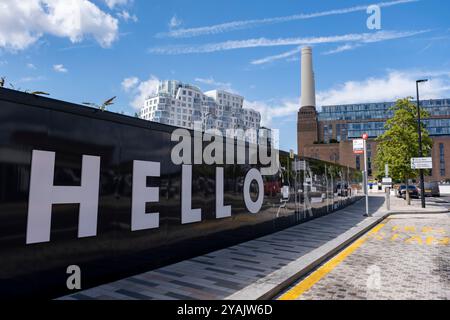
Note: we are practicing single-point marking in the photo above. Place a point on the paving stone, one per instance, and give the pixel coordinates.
(411, 271)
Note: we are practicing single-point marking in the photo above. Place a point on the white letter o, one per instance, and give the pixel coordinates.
(253, 175)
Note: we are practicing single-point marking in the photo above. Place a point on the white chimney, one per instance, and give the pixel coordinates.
(308, 83)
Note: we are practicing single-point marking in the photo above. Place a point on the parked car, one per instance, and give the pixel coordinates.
(431, 189)
(398, 190)
(412, 190)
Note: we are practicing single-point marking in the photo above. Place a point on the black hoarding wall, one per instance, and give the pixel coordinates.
(38, 243)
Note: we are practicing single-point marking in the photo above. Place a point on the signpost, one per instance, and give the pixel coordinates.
(365, 137)
(422, 163)
(387, 182)
(358, 146)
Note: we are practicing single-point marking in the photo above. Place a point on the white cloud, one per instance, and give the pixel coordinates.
(113, 3)
(211, 82)
(23, 22)
(126, 16)
(31, 79)
(31, 66)
(270, 110)
(174, 22)
(284, 55)
(359, 40)
(394, 85)
(247, 24)
(345, 47)
(264, 42)
(60, 68)
(129, 83)
(140, 90)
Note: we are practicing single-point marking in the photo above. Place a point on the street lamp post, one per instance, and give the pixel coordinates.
(422, 183)
(365, 137)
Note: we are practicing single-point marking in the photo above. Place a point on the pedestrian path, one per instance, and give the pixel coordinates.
(406, 257)
(254, 269)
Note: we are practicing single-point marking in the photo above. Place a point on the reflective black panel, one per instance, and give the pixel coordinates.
(33, 123)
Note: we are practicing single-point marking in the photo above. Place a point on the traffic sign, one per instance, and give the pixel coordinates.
(358, 146)
(422, 163)
(365, 136)
(387, 182)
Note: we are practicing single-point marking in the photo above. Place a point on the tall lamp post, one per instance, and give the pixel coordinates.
(365, 137)
(422, 183)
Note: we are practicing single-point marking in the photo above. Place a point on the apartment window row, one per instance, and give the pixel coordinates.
(442, 159)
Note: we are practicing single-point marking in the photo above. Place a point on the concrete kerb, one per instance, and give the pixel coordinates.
(278, 281)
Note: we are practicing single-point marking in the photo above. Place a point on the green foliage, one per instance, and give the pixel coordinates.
(400, 143)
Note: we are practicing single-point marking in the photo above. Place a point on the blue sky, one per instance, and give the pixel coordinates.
(91, 50)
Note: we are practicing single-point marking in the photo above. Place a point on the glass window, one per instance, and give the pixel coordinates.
(358, 162)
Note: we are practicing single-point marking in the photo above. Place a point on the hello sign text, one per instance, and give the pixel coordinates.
(43, 193)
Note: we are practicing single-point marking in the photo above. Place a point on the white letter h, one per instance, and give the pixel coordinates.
(43, 194)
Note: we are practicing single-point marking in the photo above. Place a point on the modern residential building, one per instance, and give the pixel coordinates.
(327, 134)
(186, 106)
(338, 125)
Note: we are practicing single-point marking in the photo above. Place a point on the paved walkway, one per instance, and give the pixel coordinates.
(255, 268)
(405, 257)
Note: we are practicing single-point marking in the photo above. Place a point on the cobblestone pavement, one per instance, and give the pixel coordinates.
(405, 257)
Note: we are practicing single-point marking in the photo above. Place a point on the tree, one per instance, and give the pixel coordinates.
(399, 143)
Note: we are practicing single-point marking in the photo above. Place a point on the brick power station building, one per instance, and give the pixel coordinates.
(327, 135)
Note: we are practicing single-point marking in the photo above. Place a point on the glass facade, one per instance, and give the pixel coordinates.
(442, 159)
(362, 118)
(369, 111)
(327, 132)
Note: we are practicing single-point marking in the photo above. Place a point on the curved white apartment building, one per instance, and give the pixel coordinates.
(186, 106)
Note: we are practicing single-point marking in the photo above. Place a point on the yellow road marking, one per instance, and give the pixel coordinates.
(418, 239)
(427, 229)
(430, 241)
(315, 277)
(395, 237)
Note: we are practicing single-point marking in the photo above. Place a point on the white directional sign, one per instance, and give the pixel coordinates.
(358, 146)
(387, 182)
(422, 163)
